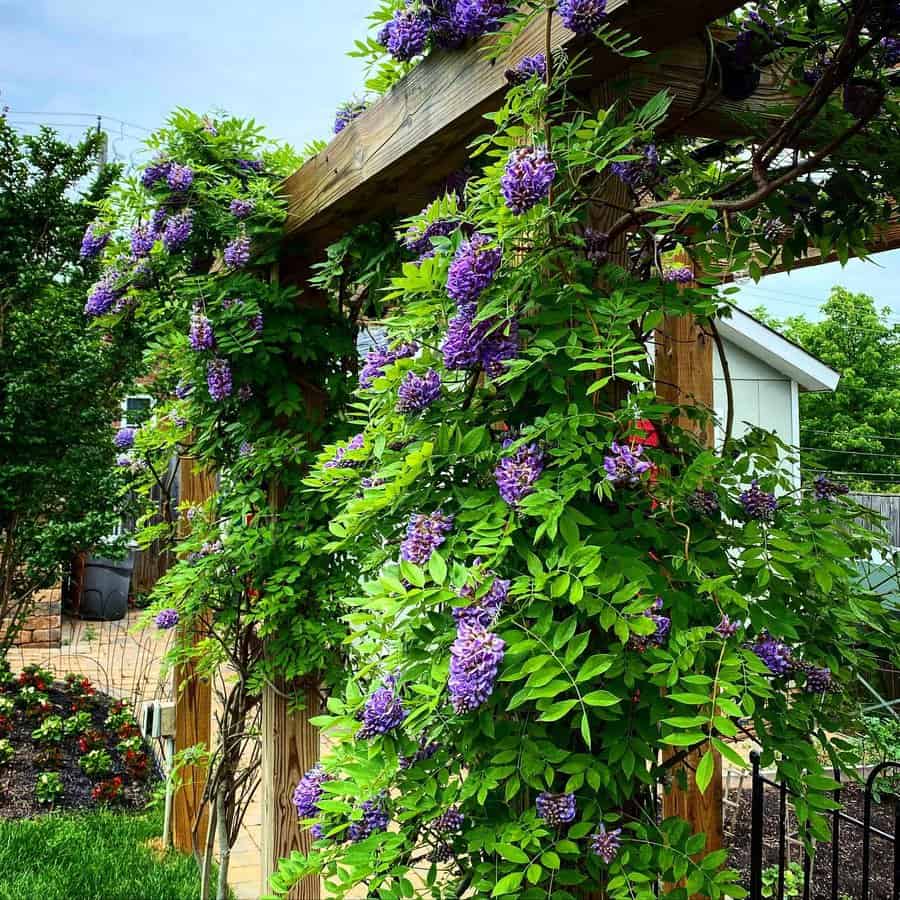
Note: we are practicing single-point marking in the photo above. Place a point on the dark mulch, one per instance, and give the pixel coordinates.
(881, 859)
(18, 777)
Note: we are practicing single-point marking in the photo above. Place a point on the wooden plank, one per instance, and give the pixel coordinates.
(290, 747)
(193, 702)
(392, 157)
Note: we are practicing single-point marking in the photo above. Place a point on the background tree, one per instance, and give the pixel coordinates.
(60, 380)
(854, 431)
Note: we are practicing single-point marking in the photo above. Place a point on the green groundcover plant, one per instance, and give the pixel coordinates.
(562, 592)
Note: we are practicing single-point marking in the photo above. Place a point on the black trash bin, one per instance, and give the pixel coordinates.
(107, 583)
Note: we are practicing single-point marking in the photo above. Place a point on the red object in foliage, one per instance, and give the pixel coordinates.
(649, 436)
(108, 791)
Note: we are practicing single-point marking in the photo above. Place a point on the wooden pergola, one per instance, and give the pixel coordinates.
(389, 162)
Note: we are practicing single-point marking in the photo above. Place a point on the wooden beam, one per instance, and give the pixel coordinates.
(391, 159)
(193, 701)
(290, 747)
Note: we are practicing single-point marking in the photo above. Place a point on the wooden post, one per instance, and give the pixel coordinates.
(290, 747)
(684, 375)
(193, 701)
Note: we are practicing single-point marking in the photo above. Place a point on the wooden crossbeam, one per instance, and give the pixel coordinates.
(392, 158)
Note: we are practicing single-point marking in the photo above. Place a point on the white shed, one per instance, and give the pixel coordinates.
(768, 373)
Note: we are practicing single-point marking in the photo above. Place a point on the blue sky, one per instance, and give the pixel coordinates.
(287, 67)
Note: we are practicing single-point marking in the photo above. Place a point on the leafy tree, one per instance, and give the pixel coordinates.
(854, 431)
(60, 379)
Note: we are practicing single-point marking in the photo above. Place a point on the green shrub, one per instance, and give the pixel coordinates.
(6, 751)
(96, 763)
(48, 788)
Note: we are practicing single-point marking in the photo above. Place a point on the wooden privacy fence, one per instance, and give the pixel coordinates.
(389, 161)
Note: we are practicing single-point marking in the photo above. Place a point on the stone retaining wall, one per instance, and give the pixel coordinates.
(43, 628)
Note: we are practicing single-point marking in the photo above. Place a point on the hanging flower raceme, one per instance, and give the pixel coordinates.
(818, 680)
(726, 628)
(94, 241)
(704, 502)
(242, 209)
(177, 231)
(643, 642)
(526, 182)
(679, 275)
(606, 844)
(406, 35)
(582, 16)
(446, 30)
(374, 819)
(418, 240)
(383, 711)
(450, 821)
(479, 17)
(309, 792)
(758, 504)
(527, 68)
(826, 489)
(488, 344)
(417, 393)
(167, 619)
(473, 268)
(775, 654)
(105, 294)
(556, 809)
(183, 390)
(424, 534)
(237, 253)
(201, 335)
(124, 439)
(640, 172)
(380, 358)
(218, 379)
(180, 178)
(596, 246)
(156, 171)
(517, 473)
(257, 323)
(475, 658)
(143, 237)
(484, 610)
(625, 466)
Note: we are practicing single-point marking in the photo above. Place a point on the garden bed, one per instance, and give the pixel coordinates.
(96, 758)
(850, 847)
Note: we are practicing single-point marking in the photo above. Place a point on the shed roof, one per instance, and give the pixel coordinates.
(783, 355)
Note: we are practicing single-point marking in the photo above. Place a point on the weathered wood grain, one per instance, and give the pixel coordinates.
(290, 747)
(391, 158)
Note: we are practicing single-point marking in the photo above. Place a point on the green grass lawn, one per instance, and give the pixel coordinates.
(92, 856)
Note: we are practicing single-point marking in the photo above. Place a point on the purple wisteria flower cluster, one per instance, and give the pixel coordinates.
(383, 711)
(93, 242)
(643, 642)
(406, 34)
(156, 171)
(529, 175)
(180, 178)
(346, 113)
(124, 439)
(340, 461)
(704, 501)
(484, 610)
(218, 379)
(426, 750)
(679, 275)
(237, 253)
(178, 230)
(475, 658)
(556, 809)
(489, 343)
(758, 504)
(143, 237)
(775, 654)
(380, 358)
(309, 792)
(167, 619)
(201, 335)
(375, 818)
(638, 172)
(726, 628)
(596, 246)
(517, 473)
(183, 389)
(473, 268)
(826, 489)
(105, 294)
(582, 16)
(242, 209)
(625, 466)
(818, 680)
(417, 393)
(606, 844)
(424, 534)
(246, 449)
(890, 47)
(528, 67)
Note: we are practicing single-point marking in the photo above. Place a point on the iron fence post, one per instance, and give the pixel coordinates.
(756, 827)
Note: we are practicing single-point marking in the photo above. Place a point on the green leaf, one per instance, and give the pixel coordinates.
(437, 568)
(705, 770)
(601, 698)
(556, 711)
(512, 853)
(507, 884)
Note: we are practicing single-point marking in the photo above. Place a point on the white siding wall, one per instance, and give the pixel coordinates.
(763, 396)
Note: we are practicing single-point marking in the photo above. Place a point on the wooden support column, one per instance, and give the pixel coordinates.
(290, 747)
(193, 700)
(684, 375)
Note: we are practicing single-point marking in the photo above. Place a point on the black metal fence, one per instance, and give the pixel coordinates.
(840, 821)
